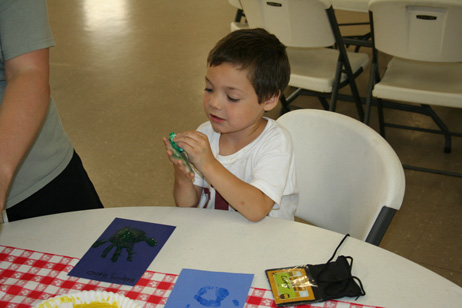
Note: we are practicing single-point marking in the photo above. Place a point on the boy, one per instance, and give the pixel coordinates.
(244, 161)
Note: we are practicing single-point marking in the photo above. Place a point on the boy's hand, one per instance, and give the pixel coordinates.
(197, 145)
(181, 171)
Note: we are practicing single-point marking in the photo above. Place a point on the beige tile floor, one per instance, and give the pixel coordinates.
(127, 72)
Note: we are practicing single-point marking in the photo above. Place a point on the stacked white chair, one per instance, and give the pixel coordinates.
(425, 39)
(310, 30)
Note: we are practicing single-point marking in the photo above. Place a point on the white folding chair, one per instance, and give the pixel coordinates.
(350, 179)
(424, 37)
(310, 30)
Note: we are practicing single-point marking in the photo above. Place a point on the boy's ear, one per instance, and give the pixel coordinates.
(271, 102)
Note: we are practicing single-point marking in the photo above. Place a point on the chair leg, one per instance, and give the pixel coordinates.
(369, 93)
(324, 102)
(335, 88)
(381, 118)
(425, 110)
(441, 125)
(355, 92)
(435, 171)
(374, 77)
(343, 66)
(239, 15)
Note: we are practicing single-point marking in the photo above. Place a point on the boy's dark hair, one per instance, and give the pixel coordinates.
(261, 53)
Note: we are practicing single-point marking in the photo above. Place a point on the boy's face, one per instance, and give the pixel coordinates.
(231, 103)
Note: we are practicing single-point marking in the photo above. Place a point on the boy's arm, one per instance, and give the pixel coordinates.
(248, 200)
(185, 193)
(243, 197)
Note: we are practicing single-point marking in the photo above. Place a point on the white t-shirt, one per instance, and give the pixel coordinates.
(266, 163)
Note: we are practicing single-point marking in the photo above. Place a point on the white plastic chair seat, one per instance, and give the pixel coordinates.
(346, 172)
(238, 26)
(314, 68)
(421, 82)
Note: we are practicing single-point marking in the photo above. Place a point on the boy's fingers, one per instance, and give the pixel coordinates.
(183, 169)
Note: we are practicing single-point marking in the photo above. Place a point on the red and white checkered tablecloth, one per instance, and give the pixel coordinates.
(28, 277)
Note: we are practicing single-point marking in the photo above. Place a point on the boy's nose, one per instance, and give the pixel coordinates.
(215, 102)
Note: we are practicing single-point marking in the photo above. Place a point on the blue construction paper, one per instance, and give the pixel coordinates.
(199, 289)
(114, 268)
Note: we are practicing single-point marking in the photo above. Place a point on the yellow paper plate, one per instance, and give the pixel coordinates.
(90, 299)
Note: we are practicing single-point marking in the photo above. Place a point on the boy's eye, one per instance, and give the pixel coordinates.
(208, 90)
(234, 100)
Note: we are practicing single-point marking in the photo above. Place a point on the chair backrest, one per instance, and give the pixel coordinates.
(297, 23)
(235, 3)
(346, 171)
(423, 30)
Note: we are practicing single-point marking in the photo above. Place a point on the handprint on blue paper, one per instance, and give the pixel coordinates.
(124, 238)
(207, 298)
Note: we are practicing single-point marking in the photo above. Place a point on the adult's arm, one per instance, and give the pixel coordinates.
(23, 108)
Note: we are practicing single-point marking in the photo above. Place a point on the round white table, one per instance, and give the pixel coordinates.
(225, 241)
